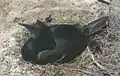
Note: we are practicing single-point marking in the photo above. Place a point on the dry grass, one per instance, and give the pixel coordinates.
(13, 37)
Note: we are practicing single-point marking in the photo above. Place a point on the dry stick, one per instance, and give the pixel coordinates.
(100, 66)
(85, 72)
(103, 1)
(79, 70)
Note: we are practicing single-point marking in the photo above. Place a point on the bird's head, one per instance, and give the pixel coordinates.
(37, 29)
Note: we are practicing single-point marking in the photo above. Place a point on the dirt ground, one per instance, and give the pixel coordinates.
(13, 36)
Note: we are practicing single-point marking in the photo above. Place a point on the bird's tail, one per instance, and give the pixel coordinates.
(96, 26)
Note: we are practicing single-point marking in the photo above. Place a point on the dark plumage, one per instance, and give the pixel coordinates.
(69, 44)
(58, 43)
(40, 38)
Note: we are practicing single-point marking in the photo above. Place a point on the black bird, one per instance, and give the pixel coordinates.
(40, 38)
(64, 43)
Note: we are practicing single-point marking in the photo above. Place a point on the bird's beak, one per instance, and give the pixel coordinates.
(25, 25)
(29, 28)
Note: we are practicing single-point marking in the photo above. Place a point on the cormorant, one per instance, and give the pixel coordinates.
(59, 43)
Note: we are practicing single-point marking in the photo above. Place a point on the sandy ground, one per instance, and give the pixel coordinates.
(13, 36)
